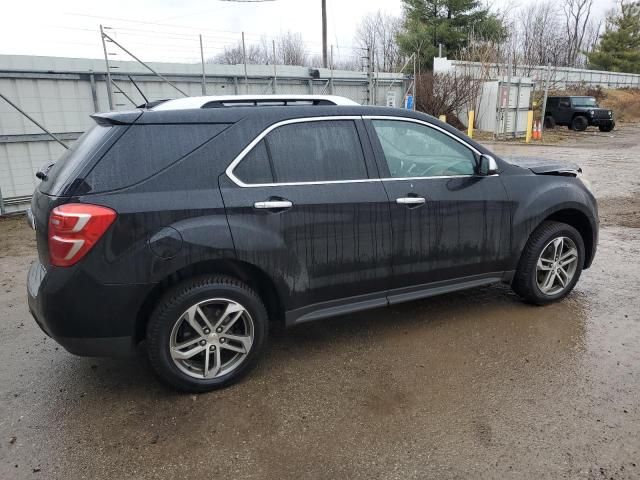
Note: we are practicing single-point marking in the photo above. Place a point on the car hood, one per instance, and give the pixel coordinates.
(543, 166)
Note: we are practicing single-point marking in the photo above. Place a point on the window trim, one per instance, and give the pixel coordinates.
(474, 150)
(264, 133)
(236, 161)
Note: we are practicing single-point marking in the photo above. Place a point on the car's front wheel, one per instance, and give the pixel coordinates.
(551, 263)
(206, 333)
(607, 128)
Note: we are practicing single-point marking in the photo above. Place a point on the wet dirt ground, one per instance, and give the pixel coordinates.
(468, 385)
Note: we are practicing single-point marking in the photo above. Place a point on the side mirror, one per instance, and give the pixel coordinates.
(487, 165)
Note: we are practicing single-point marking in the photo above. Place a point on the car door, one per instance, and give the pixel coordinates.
(564, 110)
(305, 205)
(449, 224)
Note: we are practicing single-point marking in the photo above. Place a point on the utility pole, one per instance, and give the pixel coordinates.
(324, 33)
(546, 94)
(415, 79)
(106, 60)
(244, 60)
(204, 78)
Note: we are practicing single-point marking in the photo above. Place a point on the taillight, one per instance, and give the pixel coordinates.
(74, 229)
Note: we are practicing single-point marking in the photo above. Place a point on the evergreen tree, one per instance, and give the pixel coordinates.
(428, 23)
(619, 47)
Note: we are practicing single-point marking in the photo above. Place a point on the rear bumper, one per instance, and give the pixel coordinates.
(85, 317)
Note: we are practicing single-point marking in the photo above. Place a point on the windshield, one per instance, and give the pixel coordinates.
(584, 102)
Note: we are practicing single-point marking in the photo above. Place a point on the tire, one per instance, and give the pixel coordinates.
(528, 278)
(170, 333)
(549, 123)
(607, 128)
(579, 123)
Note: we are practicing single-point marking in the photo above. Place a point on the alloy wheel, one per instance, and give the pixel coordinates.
(211, 338)
(556, 266)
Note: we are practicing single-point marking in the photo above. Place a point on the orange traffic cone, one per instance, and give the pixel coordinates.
(536, 131)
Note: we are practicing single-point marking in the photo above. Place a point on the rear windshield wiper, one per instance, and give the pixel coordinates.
(42, 173)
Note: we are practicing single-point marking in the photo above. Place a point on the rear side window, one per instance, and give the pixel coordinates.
(74, 158)
(316, 151)
(144, 150)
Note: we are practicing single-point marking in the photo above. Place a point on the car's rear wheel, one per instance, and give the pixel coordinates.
(579, 123)
(206, 333)
(551, 263)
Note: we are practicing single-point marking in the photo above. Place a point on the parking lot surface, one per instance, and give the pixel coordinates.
(474, 384)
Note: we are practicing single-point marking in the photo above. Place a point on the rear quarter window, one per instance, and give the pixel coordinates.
(74, 159)
(144, 150)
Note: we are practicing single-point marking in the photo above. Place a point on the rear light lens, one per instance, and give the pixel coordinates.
(74, 229)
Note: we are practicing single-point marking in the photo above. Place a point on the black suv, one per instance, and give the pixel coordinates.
(196, 225)
(577, 113)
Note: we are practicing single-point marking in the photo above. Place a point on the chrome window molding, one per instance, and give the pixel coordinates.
(264, 133)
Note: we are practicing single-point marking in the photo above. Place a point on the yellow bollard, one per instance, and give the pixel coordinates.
(443, 118)
(529, 126)
(472, 116)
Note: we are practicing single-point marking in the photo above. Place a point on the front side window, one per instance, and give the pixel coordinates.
(314, 151)
(415, 150)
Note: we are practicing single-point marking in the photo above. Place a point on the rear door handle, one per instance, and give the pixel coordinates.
(410, 200)
(273, 204)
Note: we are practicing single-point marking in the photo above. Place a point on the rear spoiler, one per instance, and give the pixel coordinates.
(116, 118)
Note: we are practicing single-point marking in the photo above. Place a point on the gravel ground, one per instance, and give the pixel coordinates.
(474, 384)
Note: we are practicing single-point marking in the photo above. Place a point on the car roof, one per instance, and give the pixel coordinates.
(249, 100)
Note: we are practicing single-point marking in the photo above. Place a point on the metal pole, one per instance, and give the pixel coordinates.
(106, 61)
(94, 92)
(331, 71)
(324, 33)
(244, 60)
(145, 65)
(369, 75)
(204, 77)
(34, 121)
(414, 81)
(275, 69)
(508, 99)
(546, 94)
(1, 203)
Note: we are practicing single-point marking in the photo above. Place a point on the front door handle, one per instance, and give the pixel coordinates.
(273, 205)
(410, 200)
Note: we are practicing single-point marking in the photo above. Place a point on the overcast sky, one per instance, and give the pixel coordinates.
(167, 30)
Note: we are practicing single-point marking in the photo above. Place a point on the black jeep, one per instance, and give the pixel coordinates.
(577, 113)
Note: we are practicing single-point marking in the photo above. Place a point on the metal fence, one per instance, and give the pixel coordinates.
(559, 77)
(61, 93)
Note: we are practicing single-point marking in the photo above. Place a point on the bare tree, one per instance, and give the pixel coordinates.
(233, 55)
(577, 14)
(377, 32)
(290, 49)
